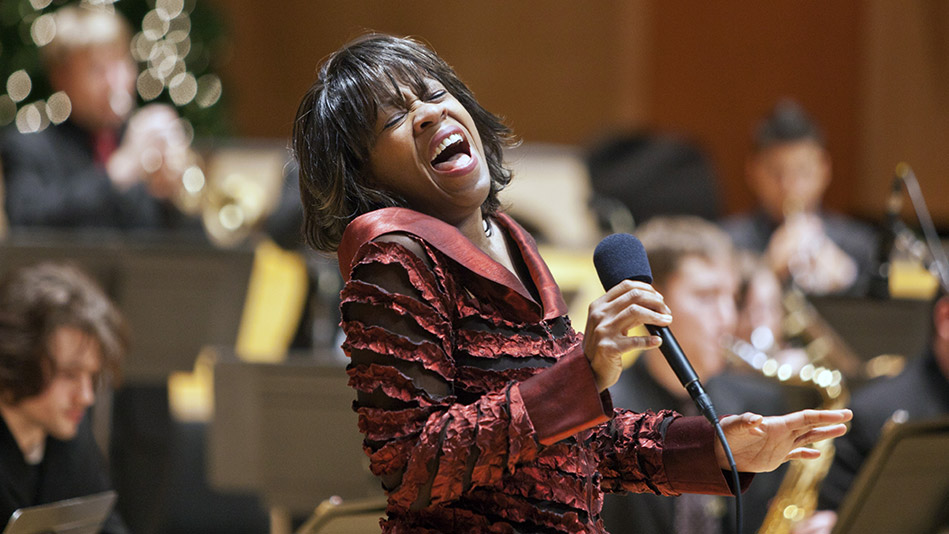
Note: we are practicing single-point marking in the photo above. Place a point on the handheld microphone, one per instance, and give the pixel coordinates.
(621, 257)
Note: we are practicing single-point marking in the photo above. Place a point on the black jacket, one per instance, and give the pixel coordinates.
(69, 469)
(52, 180)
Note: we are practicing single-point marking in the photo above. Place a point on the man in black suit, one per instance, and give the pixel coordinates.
(789, 171)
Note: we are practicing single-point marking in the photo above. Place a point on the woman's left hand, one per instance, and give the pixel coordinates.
(760, 444)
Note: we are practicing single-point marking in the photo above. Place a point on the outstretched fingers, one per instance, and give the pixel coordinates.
(761, 444)
(821, 433)
(807, 419)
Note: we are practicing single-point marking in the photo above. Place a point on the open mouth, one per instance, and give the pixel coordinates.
(453, 152)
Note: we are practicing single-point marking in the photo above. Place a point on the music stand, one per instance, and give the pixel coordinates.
(904, 484)
(82, 515)
(872, 327)
(286, 431)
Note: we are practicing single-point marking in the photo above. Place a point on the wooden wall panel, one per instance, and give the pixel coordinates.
(905, 107)
(566, 72)
(720, 66)
(550, 68)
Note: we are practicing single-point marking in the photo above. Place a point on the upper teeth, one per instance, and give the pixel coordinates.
(447, 142)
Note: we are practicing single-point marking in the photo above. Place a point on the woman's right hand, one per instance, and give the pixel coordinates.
(627, 305)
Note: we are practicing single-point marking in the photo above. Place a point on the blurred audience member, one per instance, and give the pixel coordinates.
(58, 334)
(693, 266)
(108, 164)
(919, 393)
(789, 171)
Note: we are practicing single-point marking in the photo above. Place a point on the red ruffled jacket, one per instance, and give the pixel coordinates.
(478, 406)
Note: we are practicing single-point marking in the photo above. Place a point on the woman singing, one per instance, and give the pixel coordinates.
(482, 409)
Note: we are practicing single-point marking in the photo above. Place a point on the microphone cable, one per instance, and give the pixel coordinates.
(736, 483)
(705, 406)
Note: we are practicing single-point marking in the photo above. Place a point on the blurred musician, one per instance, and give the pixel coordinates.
(789, 171)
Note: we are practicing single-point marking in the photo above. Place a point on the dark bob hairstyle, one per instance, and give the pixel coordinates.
(334, 130)
(34, 302)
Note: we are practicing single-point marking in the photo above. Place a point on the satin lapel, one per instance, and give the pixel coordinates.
(550, 295)
(450, 241)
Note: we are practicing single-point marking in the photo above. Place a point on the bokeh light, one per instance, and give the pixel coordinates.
(183, 88)
(188, 129)
(153, 26)
(43, 29)
(149, 87)
(231, 217)
(19, 85)
(209, 90)
(140, 47)
(169, 9)
(58, 107)
(178, 29)
(193, 179)
(32, 118)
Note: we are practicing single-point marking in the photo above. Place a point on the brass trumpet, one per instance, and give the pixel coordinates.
(237, 189)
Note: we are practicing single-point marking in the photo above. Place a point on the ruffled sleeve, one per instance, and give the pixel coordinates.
(663, 453)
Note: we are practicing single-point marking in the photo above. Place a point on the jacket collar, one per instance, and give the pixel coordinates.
(451, 242)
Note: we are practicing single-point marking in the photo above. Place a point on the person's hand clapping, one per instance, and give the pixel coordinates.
(627, 305)
(760, 444)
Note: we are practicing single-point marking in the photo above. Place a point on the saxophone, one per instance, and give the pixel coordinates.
(827, 355)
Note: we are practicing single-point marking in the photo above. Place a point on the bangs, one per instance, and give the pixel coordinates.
(386, 89)
(371, 75)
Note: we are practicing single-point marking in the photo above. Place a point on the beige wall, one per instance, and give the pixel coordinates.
(566, 71)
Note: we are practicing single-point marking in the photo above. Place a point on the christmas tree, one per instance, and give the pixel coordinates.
(175, 42)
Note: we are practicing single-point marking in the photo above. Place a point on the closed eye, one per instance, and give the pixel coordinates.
(394, 120)
(400, 113)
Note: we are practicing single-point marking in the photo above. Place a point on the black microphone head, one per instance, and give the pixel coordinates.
(619, 257)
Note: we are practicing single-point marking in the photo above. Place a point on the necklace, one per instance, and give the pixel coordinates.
(487, 228)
